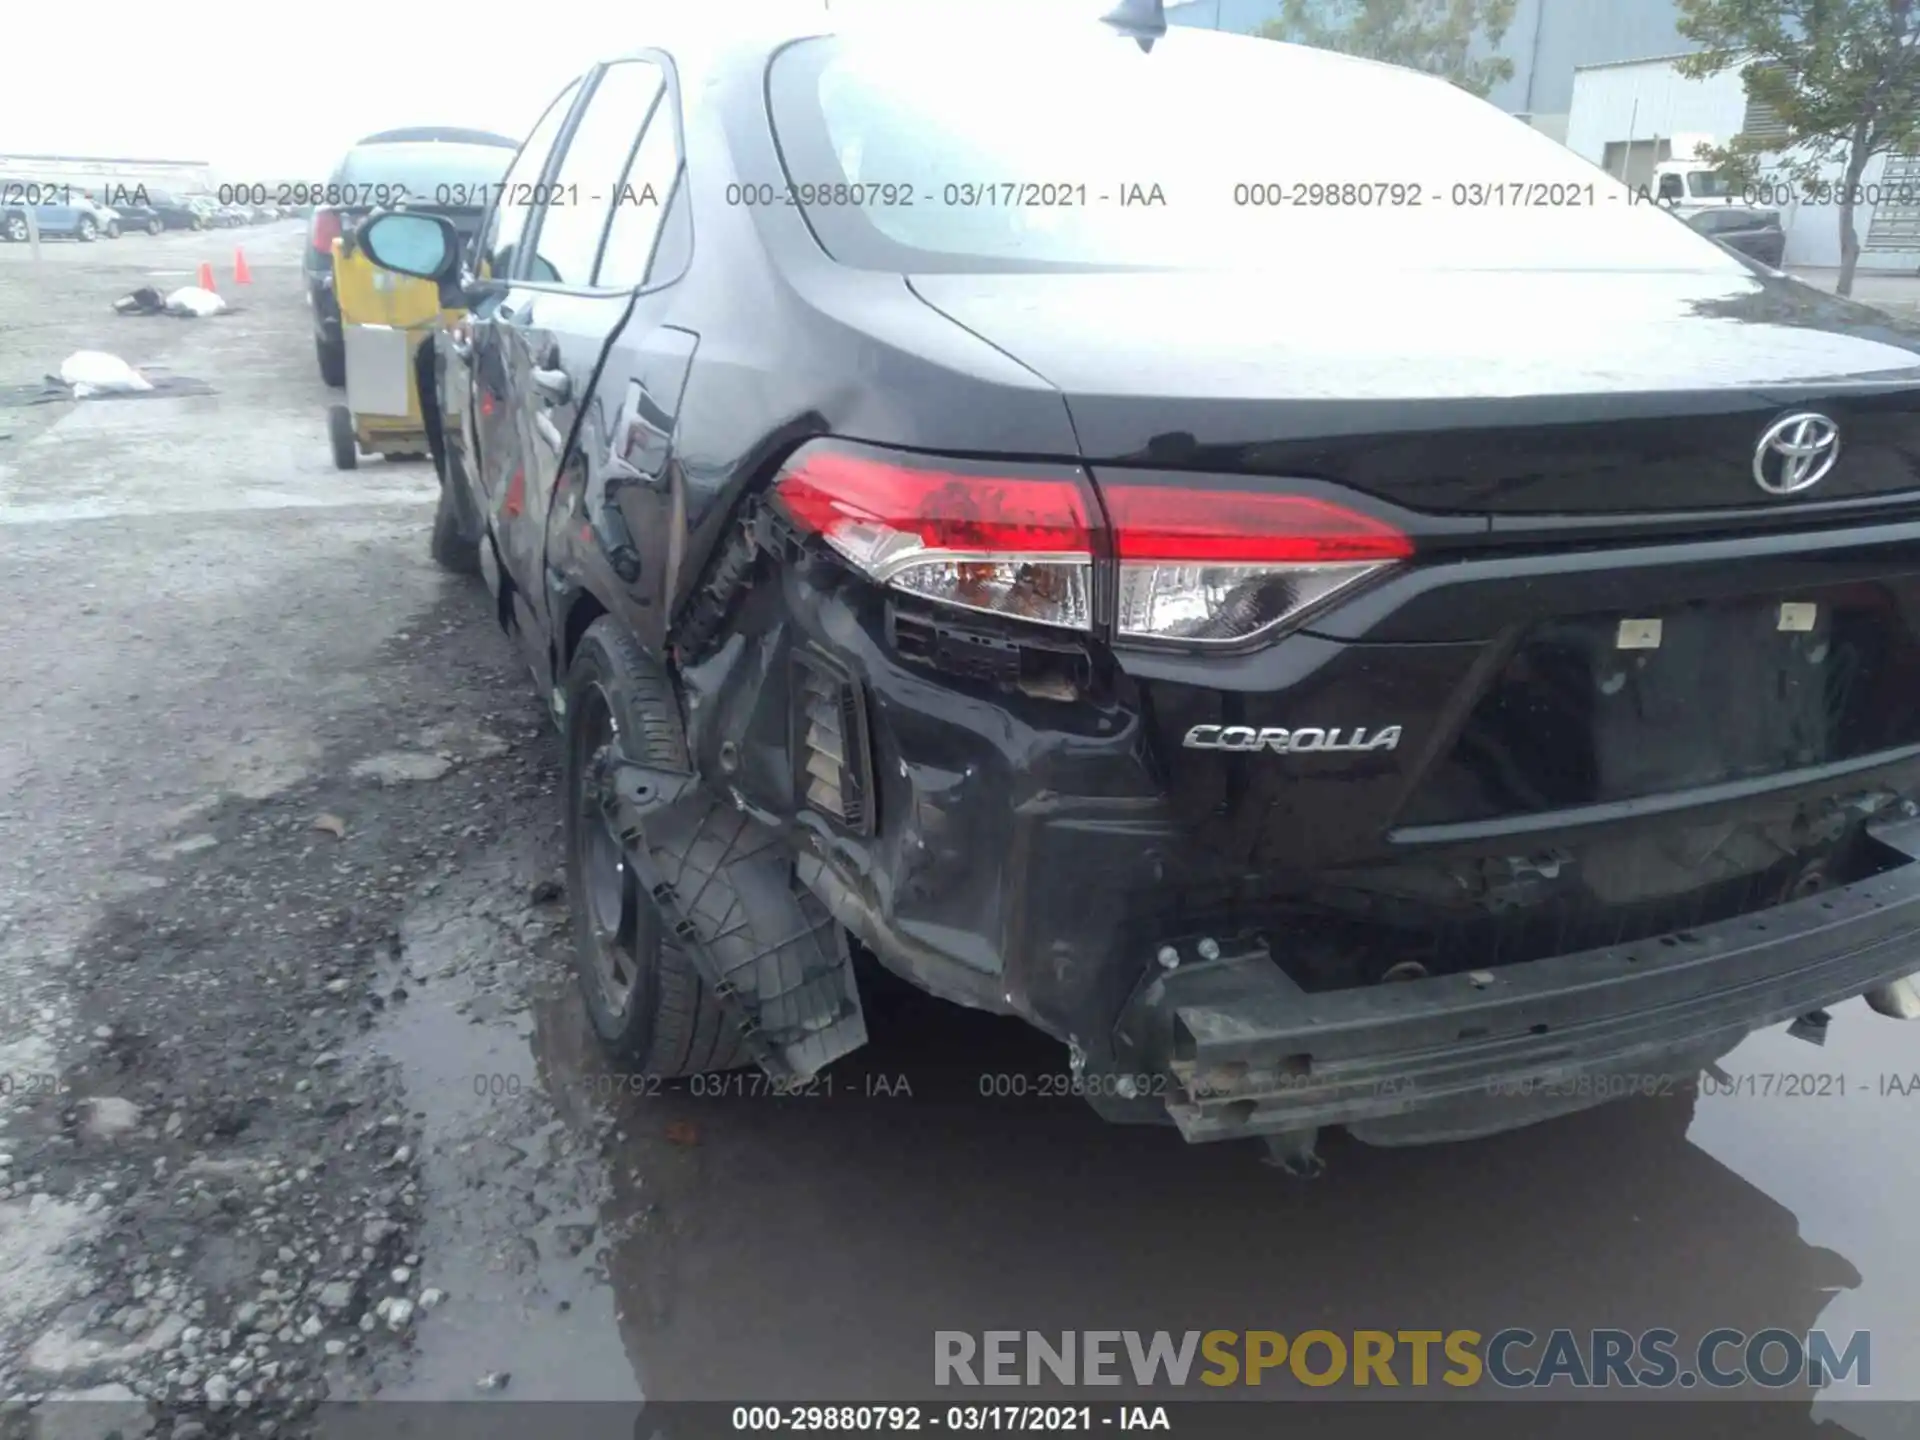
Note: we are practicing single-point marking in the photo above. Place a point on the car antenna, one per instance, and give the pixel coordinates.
(1144, 20)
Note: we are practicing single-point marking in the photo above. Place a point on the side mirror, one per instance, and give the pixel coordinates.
(424, 246)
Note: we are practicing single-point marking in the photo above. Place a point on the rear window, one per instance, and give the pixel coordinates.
(430, 173)
(1071, 148)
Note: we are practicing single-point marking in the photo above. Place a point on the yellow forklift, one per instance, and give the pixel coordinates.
(384, 318)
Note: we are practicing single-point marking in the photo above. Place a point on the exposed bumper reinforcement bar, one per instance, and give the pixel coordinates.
(1253, 1054)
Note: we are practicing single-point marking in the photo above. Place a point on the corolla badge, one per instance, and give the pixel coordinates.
(1289, 742)
(1795, 453)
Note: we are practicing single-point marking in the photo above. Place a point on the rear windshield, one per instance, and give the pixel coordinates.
(430, 172)
(1073, 148)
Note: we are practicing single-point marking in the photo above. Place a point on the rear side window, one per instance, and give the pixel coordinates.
(651, 182)
(586, 190)
(513, 203)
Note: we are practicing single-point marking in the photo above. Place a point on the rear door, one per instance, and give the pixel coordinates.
(631, 497)
(564, 315)
(492, 443)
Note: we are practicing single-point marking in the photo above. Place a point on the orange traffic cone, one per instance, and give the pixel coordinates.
(206, 275)
(241, 275)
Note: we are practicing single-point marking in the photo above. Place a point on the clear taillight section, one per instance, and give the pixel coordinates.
(1221, 603)
(1009, 541)
(1222, 565)
(1194, 565)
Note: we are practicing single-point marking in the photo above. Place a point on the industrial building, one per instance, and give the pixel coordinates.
(1602, 79)
(1547, 42)
(1622, 118)
(97, 172)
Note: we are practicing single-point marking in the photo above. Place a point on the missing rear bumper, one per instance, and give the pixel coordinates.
(1250, 1053)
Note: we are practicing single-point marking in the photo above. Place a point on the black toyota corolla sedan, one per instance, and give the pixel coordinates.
(1252, 560)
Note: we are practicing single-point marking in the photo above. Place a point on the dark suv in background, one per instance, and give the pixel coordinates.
(443, 170)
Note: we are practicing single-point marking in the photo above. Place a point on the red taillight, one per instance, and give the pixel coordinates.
(835, 492)
(1011, 540)
(1195, 564)
(326, 230)
(1241, 527)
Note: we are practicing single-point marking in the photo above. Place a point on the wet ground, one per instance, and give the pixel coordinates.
(299, 1102)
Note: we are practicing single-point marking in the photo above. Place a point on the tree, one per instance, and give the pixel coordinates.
(1437, 36)
(1843, 76)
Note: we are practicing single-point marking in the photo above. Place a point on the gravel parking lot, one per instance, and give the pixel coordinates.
(297, 1102)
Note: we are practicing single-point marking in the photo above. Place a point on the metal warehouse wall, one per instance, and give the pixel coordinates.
(1892, 244)
(1603, 112)
(1550, 39)
(1621, 102)
(1547, 41)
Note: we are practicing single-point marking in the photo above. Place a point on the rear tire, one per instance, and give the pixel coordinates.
(346, 447)
(87, 231)
(663, 1020)
(332, 355)
(113, 230)
(156, 225)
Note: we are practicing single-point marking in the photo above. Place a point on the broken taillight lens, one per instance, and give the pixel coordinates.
(1195, 563)
(1014, 541)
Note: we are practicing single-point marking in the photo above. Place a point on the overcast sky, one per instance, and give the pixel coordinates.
(274, 91)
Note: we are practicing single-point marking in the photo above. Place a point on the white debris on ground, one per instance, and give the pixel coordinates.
(192, 300)
(94, 372)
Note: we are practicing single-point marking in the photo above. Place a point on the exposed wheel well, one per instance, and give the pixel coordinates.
(583, 612)
(424, 381)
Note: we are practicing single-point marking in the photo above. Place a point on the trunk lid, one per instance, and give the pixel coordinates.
(1545, 393)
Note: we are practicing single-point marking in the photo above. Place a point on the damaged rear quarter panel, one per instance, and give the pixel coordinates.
(952, 889)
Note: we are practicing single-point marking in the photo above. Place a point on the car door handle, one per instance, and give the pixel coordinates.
(555, 386)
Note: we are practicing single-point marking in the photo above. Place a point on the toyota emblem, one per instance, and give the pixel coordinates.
(1795, 453)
